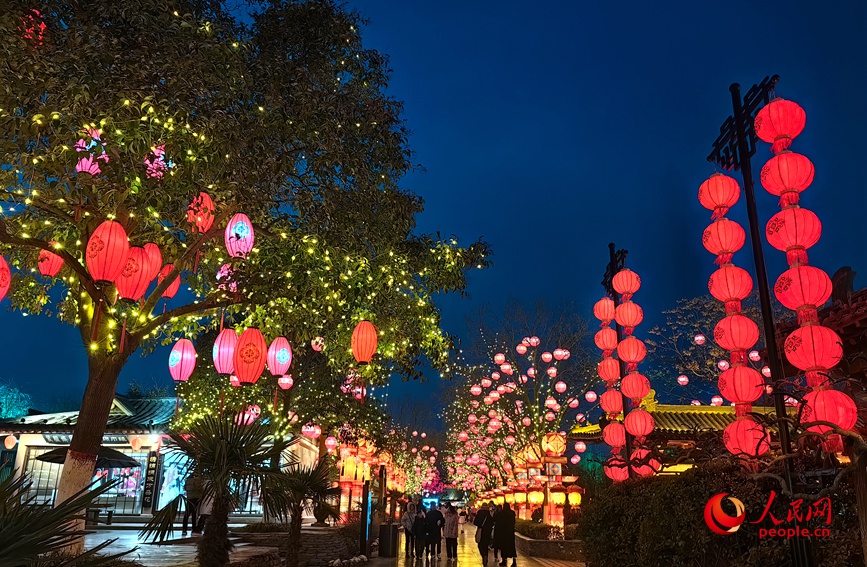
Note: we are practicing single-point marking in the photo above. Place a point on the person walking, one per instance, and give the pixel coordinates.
(504, 534)
(462, 518)
(194, 492)
(484, 523)
(450, 532)
(494, 511)
(435, 521)
(419, 532)
(406, 521)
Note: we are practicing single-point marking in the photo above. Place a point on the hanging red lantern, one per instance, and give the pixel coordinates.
(239, 236)
(718, 194)
(813, 347)
(364, 342)
(803, 289)
(643, 464)
(628, 315)
(631, 351)
(741, 384)
(635, 386)
(154, 261)
(829, 405)
(107, 251)
(224, 351)
(723, 238)
(615, 468)
(279, 356)
(736, 333)
(778, 122)
(626, 282)
(49, 262)
(200, 212)
(730, 285)
(174, 286)
(639, 423)
(614, 434)
(250, 356)
(606, 340)
(792, 231)
(746, 437)
(182, 360)
(604, 310)
(133, 280)
(611, 402)
(5, 277)
(609, 370)
(786, 176)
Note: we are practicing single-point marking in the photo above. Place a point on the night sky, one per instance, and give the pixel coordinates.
(551, 132)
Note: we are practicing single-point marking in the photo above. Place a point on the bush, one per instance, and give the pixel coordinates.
(660, 522)
(263, 528)
(570, 531)
(532, 529)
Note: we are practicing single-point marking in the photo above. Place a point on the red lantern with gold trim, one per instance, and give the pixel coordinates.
(793, 231)
(786, 176)
(723, 238)
(813, 347)
(250, 356)
(364, 342)
(604, 310)
(606, 340)
(778, 122)
(803, 289)
(741, 384)
(736, 333)
(718, 194)
(626, 282)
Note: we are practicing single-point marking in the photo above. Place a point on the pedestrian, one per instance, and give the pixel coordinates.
(450, 532)
(419, 531)
(406, 521)
(504, 534)
(435, 521)
(205, 508)
(484, 523)
(193, 490)
(462, 518)
(494, 511)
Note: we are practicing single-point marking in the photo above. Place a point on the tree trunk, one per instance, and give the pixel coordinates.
(87, 437)
(294, 540)
(214, 546)
(860, 482)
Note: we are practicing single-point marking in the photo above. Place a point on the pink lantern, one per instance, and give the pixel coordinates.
(506, 369)
(716, 401)
(526, 422)
(699, 339)
(5, 277)
(224, 351)
(234, 382)
(510, 440)
(521, 349)
(494, 376)
(182, 360)
(534, 341)
(590, 396)
(575, 459)
(472, 418)
(549, 416)
(580, 446)
(331, 444)
(755, 356)
(285, 382)
(683, 380)
(559, 353)
(574, 403)
(552, 371)
(250, 415)
(547, 357)
(766, 371)
(499, 358)
(476, 390)
(279, 356)
(723, 365)
(239, 236)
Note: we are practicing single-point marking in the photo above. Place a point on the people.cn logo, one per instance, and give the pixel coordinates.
(717, 520)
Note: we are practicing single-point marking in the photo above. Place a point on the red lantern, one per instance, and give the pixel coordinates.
(476, 390)
(133, 280)
(174, 286)
(746, 437)
(224, 351)
(787, 175)
(239, 236)
(778, 122)
(730, 285)
(609, 370)
(631, 350)
(614, 434)
(250, 356)
(639, 423)
(364, 342)
(182, 360)
(626, 282)
(5, 277)
(49, 262)
(736, 333)
(615, 468)
(611, 402)
(107, 251)
(628, 315)
(201, 212)
(718, 194)
(741, 384)
(813, 348)
(279, 356)
(723, 238)
(606, 340)
(643, 464)
(792, 231)
(831, 406)
(154, 261)
(604, 310)
(635, 386)
(803, 289)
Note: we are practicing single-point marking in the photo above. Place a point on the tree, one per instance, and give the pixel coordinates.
(306, 487)
(114, 112)
(13, 402)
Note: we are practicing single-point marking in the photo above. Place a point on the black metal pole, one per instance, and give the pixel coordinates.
(612, 267)
(799, 547)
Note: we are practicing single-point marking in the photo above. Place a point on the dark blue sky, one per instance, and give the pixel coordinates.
(553, 128)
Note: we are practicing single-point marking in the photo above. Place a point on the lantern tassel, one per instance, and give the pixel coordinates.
(222, 317)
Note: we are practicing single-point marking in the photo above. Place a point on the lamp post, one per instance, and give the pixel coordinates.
(732, 149)
(616, 262)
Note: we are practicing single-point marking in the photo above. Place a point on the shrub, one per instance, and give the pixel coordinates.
(263, 528)
(570, 531)
(532, 529)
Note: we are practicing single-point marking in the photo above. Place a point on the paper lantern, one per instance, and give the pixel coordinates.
(626, 282)
(364, 342)
(250, 356)
(234, 382)
(560, 387)
(786, 175)
(552, 371)
(49, 262)
(614, 434)
(746, 437)
(173, 287)
(510, 440)
(331, 444)
(311, 430)
(547, 357)
(558, 494)
(813, 348)
(182, 360)
(239, 236)
(200, 212)
(472, 418)
(554, 444)
(107, 251)
(463, 436)
(611, 402)
(154, 261)
(476, 390)
(635, 386)
(718, 194)
(643, 464)
(736, 333)
(803, 289)
(755, 355)
(639, 423)
(716, 401)
(317, 344)
(285, 382)
(629, 315)
(279, 356)
(9, 442)
(521, 349)
(683, 380)
(793, 231)
(723, 365)
(699, 339)
(778, 122)
(741, 384)
(606, 340)
(604, 310)
(526, 422)
(534, 341)
(831, 406)
(590, 396)
(224, 351)
(574, 492)
(615, 468)
(631, 350)
(499, 358)
(730, 285)
(723, 238)
(133, 281)
(535, 494)
(5, 277)
(609, 370)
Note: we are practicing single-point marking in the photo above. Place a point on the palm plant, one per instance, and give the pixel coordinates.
(306, 488)
(227, 456)
(31, 532)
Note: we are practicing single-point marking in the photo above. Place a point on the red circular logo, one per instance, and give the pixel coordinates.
(717, 520)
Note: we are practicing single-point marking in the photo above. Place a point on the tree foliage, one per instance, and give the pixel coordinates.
(13, 402)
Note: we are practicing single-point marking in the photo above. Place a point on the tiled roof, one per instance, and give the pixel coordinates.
(128, 415)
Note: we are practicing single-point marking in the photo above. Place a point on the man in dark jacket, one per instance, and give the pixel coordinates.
(435, 521)
(484, 523)
(504, 534)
